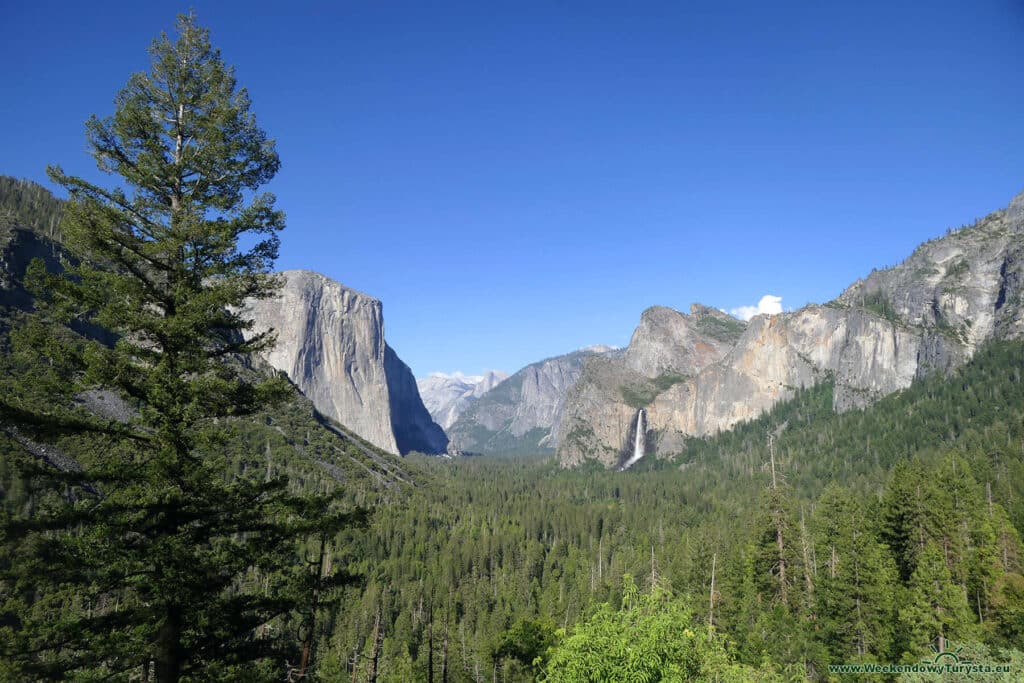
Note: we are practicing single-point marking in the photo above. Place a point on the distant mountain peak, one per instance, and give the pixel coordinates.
(446, 395)
(459, 376)
(522, 413)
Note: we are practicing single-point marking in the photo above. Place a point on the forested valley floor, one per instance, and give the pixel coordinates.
(878, 534)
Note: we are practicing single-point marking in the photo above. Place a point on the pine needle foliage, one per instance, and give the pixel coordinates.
(139, 555)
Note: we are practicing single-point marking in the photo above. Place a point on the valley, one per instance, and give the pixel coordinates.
(215, 465)
(462, 557)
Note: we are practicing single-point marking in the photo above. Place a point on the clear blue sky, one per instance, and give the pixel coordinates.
(516, 180)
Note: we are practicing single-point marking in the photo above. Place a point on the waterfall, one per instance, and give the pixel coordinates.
(639, 442)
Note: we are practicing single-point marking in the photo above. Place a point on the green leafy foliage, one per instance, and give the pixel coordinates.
(527, 642)
(652, 637)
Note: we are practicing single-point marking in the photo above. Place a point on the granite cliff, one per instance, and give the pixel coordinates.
(330, 342)
(928, 314)
(668, 348)
(522, 413)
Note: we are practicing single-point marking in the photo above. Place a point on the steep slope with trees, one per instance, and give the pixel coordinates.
(136, 553)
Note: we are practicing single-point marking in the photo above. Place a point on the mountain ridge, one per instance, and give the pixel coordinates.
(927, 314)
(522, 413)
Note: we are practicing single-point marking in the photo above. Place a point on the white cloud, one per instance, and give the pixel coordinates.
(769, 304)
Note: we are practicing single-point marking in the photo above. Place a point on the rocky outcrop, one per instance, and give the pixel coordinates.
(330, 342)
(967, 284)
(667, 342)
(411, 424)
(668, 348)
(865, 356)
(447, 396)
(524, 412)
(929, 314)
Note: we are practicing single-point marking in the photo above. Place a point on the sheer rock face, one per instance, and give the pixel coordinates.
(330, 342)
(867, 358)
(667, 349)
(929, 314)
(669, 342)
(524, 412)
(411, 424)
(967, 284)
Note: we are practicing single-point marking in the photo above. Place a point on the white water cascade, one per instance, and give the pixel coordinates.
(639, 442)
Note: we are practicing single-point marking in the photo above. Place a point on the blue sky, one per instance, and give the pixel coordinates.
(517, 180)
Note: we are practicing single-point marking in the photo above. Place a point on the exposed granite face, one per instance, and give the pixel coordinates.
(866, 356)
(929, 314)
(667, 349)
(411, 424)
(447, 396)
(669, 342)
(523, 412)
(967, 284)
(330, 342)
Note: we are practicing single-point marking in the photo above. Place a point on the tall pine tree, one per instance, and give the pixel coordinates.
(857, 581)
(139, 552)
(936, 608)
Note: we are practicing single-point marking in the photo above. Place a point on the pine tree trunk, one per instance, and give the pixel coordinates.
(307, 641)
(778, 514)
(430, 648)
(806, 546)
(711, 598)
(375, 653)
(168, 659)
(782, 564)
(444, 655)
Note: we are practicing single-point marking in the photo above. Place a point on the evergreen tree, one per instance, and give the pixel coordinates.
(779, 564)
(140, 552)
(936, 608)
(1008, 610)
(907, 510)
(857, 581)
(527, 642)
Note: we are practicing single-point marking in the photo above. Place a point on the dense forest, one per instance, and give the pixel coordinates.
(877, 533)
(173, 510)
